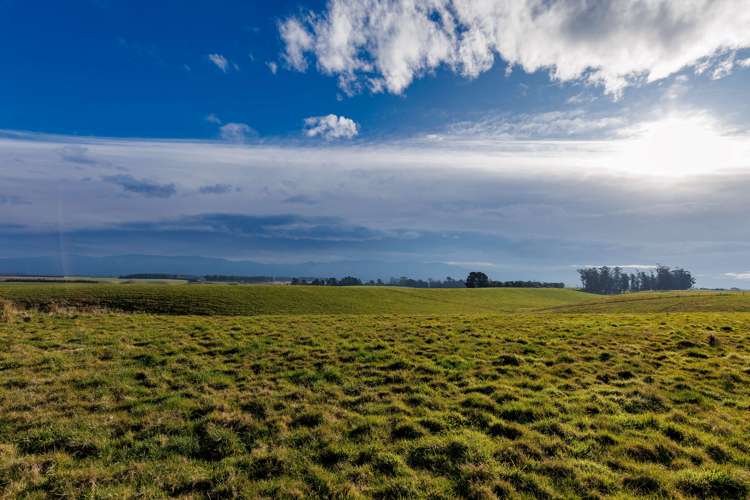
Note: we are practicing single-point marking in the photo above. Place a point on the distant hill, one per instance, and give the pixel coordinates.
(120, 265)
(653, 302)
(283, 299)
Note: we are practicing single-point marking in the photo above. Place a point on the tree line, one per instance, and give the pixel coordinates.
(481, 280)
(613, 280)
(346, 281)
(473, 280)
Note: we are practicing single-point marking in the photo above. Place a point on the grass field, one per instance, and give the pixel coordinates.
(265, 299)
(649, 302)
(246, 300)
(450, 400)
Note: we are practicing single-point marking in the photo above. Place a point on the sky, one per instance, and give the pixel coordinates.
(524, 139)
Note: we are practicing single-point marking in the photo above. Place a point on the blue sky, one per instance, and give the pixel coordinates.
(526, 139)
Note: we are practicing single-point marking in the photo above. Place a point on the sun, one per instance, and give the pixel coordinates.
(679, 146)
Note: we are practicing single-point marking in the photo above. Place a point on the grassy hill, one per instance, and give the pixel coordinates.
(250, 300)
(653, 302)
(259, 299)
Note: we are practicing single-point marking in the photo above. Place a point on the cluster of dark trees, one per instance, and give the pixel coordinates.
(155, 276)
(474, 280)
(347, 281)
(417, 283)
(481, 280)
(402, 281)
(222, 278)
(613, 280)
(210, 278)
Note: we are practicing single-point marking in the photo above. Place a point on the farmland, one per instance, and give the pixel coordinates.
(262, 299)
(248, 300)
(414, 394)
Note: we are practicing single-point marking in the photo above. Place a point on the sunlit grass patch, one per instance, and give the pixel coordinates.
(536, 406)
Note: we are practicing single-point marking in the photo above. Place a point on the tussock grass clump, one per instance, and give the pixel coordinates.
(385, 406)
(449, 453)
(643, 484)
(8, 312)
(712, 483)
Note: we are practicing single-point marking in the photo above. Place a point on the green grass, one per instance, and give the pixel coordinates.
(384, 406)
(265, 299)
(247, 300)
(652, 302)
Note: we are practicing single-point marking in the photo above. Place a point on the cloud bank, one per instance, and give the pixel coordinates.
(384, 45)
(533, 207)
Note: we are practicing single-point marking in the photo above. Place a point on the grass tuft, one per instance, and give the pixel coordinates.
(712, 484)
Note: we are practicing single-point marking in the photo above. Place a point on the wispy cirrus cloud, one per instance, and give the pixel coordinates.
(7, 199)
(213, 118)
(236, 132)
(384, 46)
(216, 189)
(222, 62)
(738, 276)
(142, 187)
(77, 154)
(569, 124)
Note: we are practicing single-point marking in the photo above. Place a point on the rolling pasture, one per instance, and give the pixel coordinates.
(247, 300)
(287, 392)
(250, 300)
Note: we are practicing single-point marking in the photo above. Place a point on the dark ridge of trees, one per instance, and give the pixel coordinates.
(525, 284)
(610, 281)
(155, 276)
(481, 280)
(474, 280)
(215, 278)
(417, 283)
(46, 280)
(220, 278)
(346, 281)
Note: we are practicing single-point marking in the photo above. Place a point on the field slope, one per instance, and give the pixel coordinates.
(247, 300)
(655, 302)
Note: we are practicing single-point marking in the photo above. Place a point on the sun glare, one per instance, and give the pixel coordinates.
(678, 146)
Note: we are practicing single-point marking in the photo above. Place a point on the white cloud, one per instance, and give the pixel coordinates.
(220, 61)
(386, 45)
(212, 118)
(745, 63)
(236, 132)
(298, 41)
(738, 276)
(273, 67)
(331, 127)
(621, 266)
(552, 124)
(724, 67)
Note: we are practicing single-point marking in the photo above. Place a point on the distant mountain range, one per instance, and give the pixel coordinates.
(118, 265)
